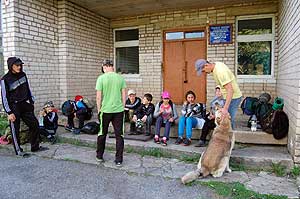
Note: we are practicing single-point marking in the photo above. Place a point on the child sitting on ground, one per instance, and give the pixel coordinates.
(78, 109)
(48, 121)
(192, 116)
(131, 104)
(144, 115)
(209, 124)
(166, 114)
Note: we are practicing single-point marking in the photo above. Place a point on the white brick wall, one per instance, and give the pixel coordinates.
(151, 27)
(61, 45)
(288, 84)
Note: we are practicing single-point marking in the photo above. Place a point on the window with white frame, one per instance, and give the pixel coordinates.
(255, 46)
(126, 49)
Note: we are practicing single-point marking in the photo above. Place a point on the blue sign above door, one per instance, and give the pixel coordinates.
(220, 34)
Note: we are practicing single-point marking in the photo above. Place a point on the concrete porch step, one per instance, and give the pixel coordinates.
(250, 155)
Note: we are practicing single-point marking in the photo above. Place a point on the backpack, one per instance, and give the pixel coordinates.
(280, 124)
(266, 123)
(91, 128)
(67, 107)
(87, 103)
(262, 110)
(248, 105)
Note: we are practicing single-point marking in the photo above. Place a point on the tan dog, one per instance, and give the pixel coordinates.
(215, 159)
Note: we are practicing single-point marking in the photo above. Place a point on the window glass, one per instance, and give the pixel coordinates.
(255, 26)
(174, 35)
(127, 35)
(127, 60)
(254, 58)
(190, 35)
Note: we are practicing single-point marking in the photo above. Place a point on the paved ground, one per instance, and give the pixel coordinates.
(140, 177)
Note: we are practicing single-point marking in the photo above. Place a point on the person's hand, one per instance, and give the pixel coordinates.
(171, 119)
(134, 118)
(11, 117)
(224, 112)
(185, 103)
(144, 118)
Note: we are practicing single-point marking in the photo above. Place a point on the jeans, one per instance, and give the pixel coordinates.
(233, 107)
(188, 123)
(158, 125)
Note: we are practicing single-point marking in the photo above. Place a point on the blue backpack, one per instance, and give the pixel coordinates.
(249, 105)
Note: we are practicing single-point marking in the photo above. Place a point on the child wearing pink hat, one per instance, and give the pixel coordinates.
(165, 114)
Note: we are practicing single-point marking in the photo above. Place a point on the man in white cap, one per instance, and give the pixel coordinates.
(227, 81)
(131, 104)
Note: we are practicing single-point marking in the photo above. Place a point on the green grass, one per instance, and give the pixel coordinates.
(3, 124)
(295, 172)
(237, 190)
(278, 169)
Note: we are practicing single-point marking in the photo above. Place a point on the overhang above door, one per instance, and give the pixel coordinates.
(119, 8)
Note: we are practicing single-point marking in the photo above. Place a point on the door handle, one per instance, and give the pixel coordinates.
(185, 72)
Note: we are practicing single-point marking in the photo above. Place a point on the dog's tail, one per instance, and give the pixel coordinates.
(190, 176)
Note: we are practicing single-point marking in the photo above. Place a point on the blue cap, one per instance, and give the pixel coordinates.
(199, 65)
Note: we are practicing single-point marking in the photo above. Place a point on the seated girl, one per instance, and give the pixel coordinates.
(192, 117)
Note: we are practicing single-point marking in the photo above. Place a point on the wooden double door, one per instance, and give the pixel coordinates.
(179, 71)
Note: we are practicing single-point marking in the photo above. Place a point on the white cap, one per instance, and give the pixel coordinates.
(131, 91)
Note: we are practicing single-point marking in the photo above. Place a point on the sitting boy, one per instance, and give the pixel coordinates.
(80, 111)
(48, 121)
(144, 114)
(132, 103)
(209, 124)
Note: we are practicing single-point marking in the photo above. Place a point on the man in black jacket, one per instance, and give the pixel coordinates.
(18, 102)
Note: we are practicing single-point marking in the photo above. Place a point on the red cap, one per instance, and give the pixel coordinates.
(78, 97)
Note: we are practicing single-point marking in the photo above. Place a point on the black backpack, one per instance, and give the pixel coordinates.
(262, 110)
(91, 128)
(248, 105)
(67, 107)
(280, 124)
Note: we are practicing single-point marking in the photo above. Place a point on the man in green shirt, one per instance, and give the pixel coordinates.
(110, 98)
(227, 81)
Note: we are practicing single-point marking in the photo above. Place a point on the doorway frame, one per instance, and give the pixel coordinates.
(189, 29)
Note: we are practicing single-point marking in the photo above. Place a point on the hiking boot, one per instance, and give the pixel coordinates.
(41, 148)
(179, 140)
(164, 142)
(187, 142)
(156, 140)
(201, 143)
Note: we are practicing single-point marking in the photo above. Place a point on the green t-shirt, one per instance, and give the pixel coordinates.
(223, 75)
(111, 84)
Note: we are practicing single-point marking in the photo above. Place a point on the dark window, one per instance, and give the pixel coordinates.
(127, 60)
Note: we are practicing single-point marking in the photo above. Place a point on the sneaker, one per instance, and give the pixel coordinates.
(100, 160)
(156, 140)
(23, 154)
(69, 128)
(76, 131)
(164, 142)
(201, 143)
(41, 148)
(118, 163)
(187, 142)
(179, 140)
(52, 140)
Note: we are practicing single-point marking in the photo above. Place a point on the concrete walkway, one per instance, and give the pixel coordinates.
(260, 182)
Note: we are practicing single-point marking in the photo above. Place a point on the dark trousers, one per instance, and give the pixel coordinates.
(159, 123)
(24, 111)
(208, 125)
(117, 120)
(81, 118)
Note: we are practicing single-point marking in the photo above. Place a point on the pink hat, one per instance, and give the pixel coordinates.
(165, 95)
